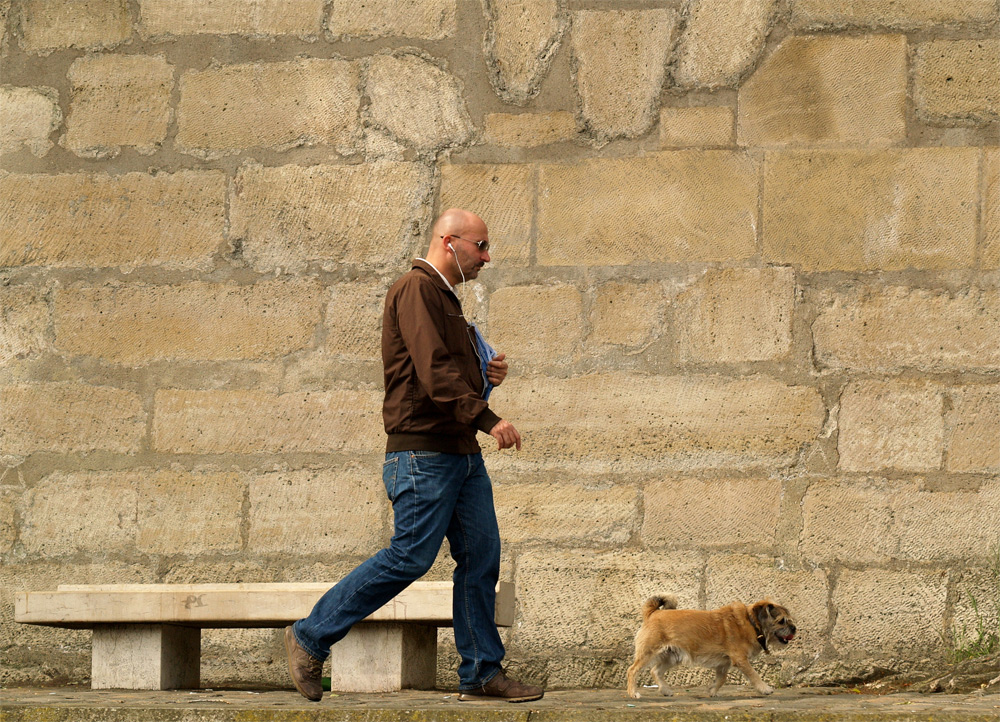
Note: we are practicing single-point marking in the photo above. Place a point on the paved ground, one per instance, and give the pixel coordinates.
(735, 704)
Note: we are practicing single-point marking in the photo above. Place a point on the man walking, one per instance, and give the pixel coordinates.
(434, 474)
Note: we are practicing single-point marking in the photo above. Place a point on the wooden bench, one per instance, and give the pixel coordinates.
(148, 636)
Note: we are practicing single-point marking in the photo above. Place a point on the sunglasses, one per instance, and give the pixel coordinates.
(483, 246)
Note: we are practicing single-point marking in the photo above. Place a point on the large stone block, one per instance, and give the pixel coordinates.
(427, 19)
(522, 37)
(737, 315)
(626, 423)
(317, 511)
(953, 526)
(182, 512)
(588, 600)
(137, 324)
(750, 578)
(860, 210)
(850, 522)
(680, 206)
(973, 430)
(824, 90)
(989, 256)
(118, 100)
(700, 513)
(170, 219)
(529, 130)
(305, 102)
(721, 41)
(27, 118)
(8, 524)
(706, 127)
(957, 80)
(159, 18)
(417, 102)
(255, 422)
(627, 314)
(503, 196)
(896, 328)
(288, 216)
(561, 512)
(48, 25)
(883, 613)
(70, 417)
(891, 425)
(90, 512)
(541, 323)
(354, 320)
(909, 15)
(24, 321)
(621, 61)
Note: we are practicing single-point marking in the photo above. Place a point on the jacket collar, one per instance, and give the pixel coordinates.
(422, 265)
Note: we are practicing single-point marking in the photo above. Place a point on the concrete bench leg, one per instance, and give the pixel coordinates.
(145, 656)
(384, 658)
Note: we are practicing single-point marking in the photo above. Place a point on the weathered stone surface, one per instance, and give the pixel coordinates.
(621, 62)
(354, 320)
(24, 320)
(957, 79)
(522, 37)
(4, 17)
(884, 613)
(973, 430)
(27, 118)
(704, 127)
(305, 102)
(824, 90)
(587, 600)
(566, 512)
(8, 524)
(721, 41)
(909, 15)
(136, 324)
(928, 522)
(891, 425)
(417, 102)
(529, 130)
(615, 421)
(866, 210)
(627, 314)
(255, 422)
(288, 216)
(426, 19)
(317, 511)
(680, 206)
(70, 417)
(47, 25)
(699, 513)
(541, 323)
(118, 100)
(737, 314)
(896, 328)
(990, 254)
(158, 18)
(170, 499)
(80, 219)
(850, 522)
(750, 578)
(503, 196)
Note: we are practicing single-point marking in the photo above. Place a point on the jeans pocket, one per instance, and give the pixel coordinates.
(389, 467)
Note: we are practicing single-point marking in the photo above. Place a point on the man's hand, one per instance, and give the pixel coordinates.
(506, 435)
(496, 370)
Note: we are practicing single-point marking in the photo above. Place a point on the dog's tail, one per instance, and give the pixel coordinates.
(665, 601)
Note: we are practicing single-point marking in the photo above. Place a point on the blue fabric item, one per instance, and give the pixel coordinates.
(486, 353)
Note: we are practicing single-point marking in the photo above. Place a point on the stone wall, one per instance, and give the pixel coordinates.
(746, 271)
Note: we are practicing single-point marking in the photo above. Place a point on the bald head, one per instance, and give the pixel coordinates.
(455, 222)
(458, 261)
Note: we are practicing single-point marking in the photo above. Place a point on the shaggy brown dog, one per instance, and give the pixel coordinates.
(717, 639)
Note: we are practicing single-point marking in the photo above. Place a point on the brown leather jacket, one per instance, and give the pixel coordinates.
(433, 383)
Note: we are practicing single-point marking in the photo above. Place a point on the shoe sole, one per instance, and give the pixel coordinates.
(485, 698)
(289, 637)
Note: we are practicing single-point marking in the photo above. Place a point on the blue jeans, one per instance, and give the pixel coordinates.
(434, 495)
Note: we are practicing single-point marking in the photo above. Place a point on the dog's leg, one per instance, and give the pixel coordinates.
(633, 670)
(720, 679)
(758, 684)
(658, 670)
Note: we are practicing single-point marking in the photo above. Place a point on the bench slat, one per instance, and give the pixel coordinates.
(228, 605)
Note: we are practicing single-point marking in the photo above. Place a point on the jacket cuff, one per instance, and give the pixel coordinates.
(486, 420)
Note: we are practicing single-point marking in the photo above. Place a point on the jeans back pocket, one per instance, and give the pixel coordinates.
(389, 467)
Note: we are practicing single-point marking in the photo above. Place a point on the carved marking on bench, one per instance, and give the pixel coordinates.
(194, 600)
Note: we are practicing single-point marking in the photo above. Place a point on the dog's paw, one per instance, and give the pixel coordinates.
(765, 689)
(634, 695)
(666, 692)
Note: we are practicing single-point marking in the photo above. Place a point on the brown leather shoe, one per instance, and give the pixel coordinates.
(502, 687)
(306, 670)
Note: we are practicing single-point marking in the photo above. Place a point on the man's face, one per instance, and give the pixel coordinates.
(471, 251)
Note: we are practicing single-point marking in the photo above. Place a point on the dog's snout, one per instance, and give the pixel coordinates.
(792, 628)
